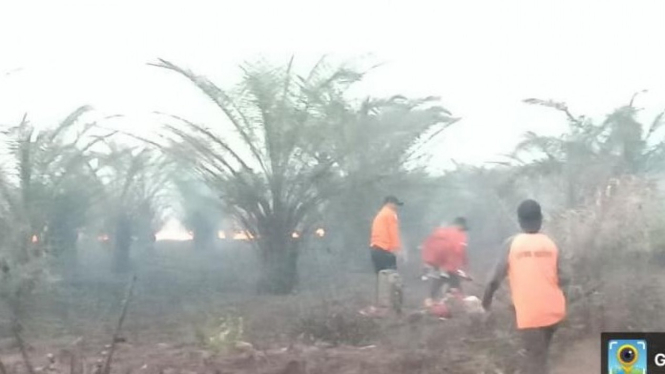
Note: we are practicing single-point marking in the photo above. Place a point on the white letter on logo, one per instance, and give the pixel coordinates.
(660, 359)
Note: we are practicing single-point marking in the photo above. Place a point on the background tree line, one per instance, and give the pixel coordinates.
(294, 153)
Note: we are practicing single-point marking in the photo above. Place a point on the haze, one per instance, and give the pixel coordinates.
(481, 58)
(290, 226)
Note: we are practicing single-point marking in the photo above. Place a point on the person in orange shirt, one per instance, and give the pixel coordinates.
(444, 253)
(385, 241)
(531, 262)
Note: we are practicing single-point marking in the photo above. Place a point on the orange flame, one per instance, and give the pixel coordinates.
(243, 235)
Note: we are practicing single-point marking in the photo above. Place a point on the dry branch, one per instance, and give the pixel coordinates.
(16, 330)
(3, 370)
(116, 334)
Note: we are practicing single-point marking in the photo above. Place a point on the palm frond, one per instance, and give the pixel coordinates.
(656, 125)
(68, 122)
(240, 122)
(560, 106)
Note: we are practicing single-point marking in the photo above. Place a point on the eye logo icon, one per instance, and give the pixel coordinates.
(627, 357)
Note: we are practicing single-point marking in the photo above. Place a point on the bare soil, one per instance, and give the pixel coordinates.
(581, 357)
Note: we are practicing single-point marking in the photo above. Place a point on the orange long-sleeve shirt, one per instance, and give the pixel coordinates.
(385, 231)
(445, 248)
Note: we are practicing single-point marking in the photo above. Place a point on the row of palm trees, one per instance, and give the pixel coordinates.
(591, 153)
(292, 152)
(57, 182)
(288, 146)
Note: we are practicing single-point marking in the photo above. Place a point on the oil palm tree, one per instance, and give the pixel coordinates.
(135, 187)
(591, 153)
(200, 212)
(379, 151)
(42, 167)
(271, 177)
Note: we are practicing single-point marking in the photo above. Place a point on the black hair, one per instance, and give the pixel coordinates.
(392, 200)
(530, 216)
(460, 221)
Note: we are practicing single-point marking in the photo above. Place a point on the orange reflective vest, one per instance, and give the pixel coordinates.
(385, 231)
(534, 281)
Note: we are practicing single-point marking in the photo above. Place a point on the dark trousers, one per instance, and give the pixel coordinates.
(536, 344)
(383, 260)
(453, 281)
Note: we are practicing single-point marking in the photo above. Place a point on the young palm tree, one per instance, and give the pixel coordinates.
(272, 177)
(41, 168)
(45, 170)
(634, 147)
(379, 150)
(135, 183)
(591, 153)
(200, 211)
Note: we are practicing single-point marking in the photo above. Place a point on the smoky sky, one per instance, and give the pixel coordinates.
(481, 57)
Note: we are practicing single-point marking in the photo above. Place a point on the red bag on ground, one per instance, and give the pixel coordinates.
(440, 310)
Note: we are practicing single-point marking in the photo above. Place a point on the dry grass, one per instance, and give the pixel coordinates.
(609, 246)
(181, 295)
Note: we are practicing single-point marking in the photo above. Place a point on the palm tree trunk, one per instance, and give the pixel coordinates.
(279, 262)
(204, 238)
(64, 240)
(203, 232)
(122, 244)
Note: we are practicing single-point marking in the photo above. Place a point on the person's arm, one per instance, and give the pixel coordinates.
(498, 275)
(393, 232)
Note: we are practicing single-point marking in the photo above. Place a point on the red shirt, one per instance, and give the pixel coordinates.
(445, 248)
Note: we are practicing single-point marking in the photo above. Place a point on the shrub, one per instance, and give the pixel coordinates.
(608, 245)
(336, 327)
(225, 334)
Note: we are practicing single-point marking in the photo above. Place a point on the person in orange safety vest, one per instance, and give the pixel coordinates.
(531, 261)
(444, 254)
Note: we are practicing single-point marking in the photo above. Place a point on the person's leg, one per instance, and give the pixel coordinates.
(378, 266)
(534, 343)
(383, 260)
(391, 260)
(548, 333)
(454, 281)
(395, 282)
(376, 259)
(454, 285)
(435, 290)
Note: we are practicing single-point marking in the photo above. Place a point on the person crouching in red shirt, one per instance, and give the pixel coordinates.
(444, 253)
